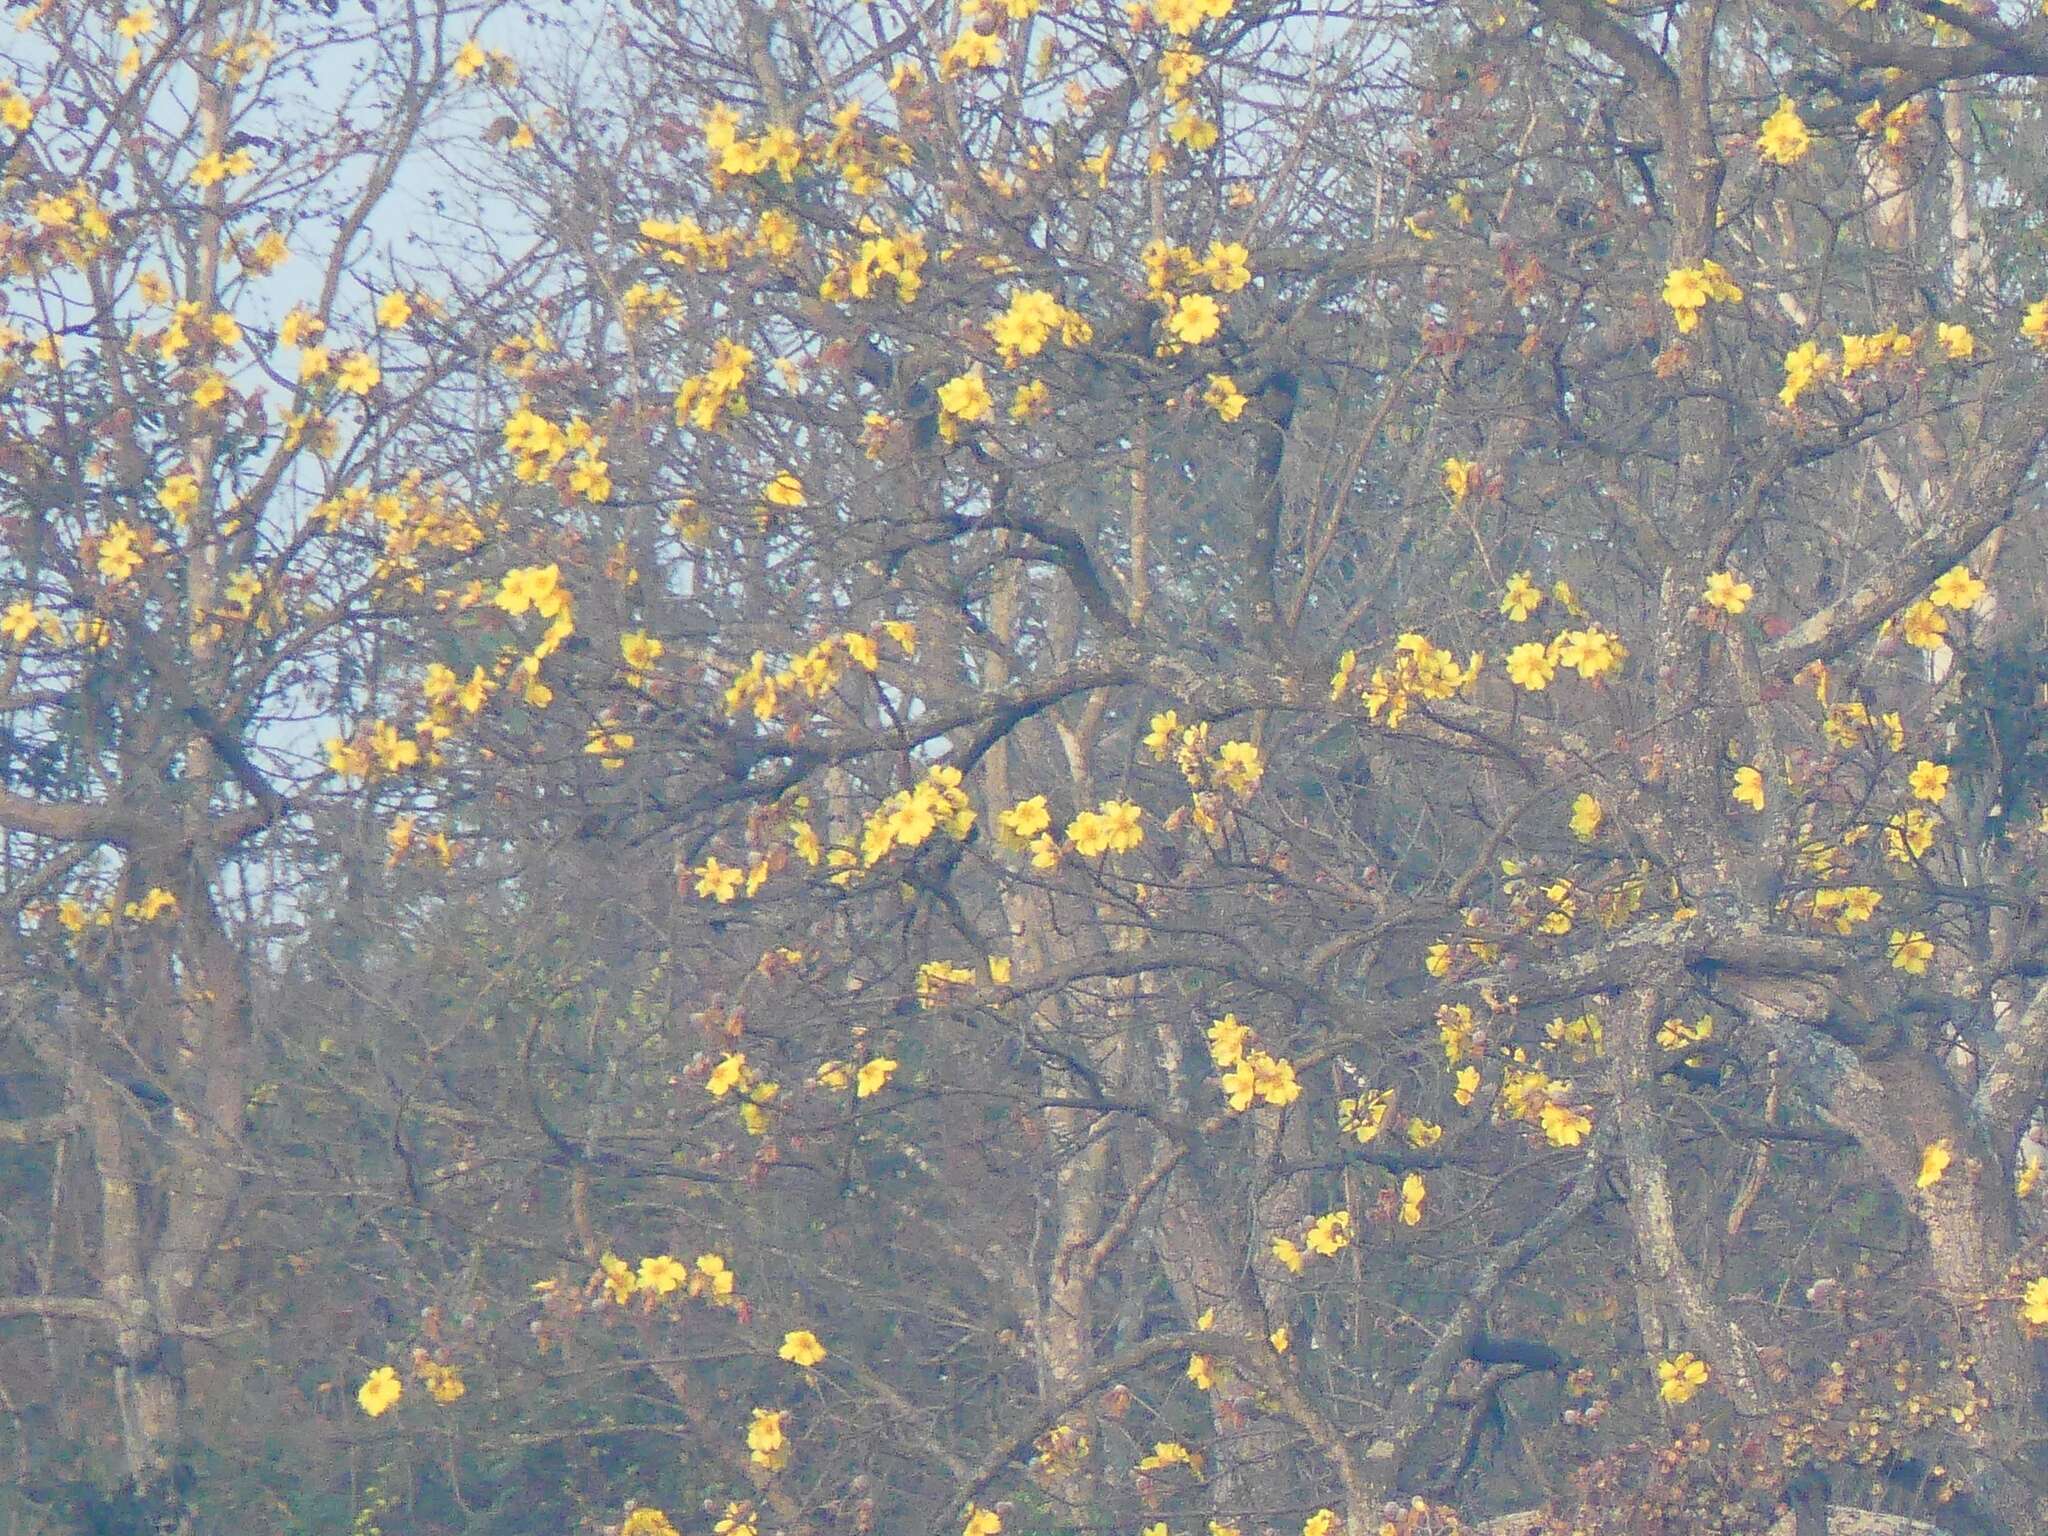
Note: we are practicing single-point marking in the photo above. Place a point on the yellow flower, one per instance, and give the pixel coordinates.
(1413, 1192)
(268, 253)
(730, 1073)
(1273, 1079)
(801, 1347)
(1364, 1117)
(1956, 341)
(1956, 588)
(1929, 781)
(661, 1273)
(394, 309)
(443, 1381)
(1586, 817)
(640, 650)
(1029, 400)
(1531, 666)
(1934, 1161)
(300, 326)
(909, 819)
(21, 621)
(1322, 1523)
(1783, 139)
(982, 1522)
(1461, 477)
(1159, 739)
(1228, 264)
(1341, 678)
(1240, 1086)
(873, 1076)
(380, 1391)
(469, 60)
(647, 1521)
(1023, 821)
(1803, 365)
(2035, 324)
(1177, 67)
(538, 587)
(1113, 828)
(2034, 1305)
(1911, 950)
(1749, 788)
(1223, 397)
(1521, 599)
(1908, 835)
(1195, 319)
(712, 1276)
(1167, 1453)
(1199, 1372)
(1287, 1255)
(214, 168)
(862, 648)
(1728, 592)
(1467, 1087)
(358, 373)
(1869, 351)
(1676, 1034)
(1088, 834)
(966, 396)
(1845, 724)
(1329, 1234)
(1685, 290)
(1720, 287)
(1239, 766)
(1454, 1030)
(120, 554)
(1192, 130)
(1023, 329)
(768, 1439)
(1847, 905)
(785, 490)
(1924, 626)
(1227, 1039)
(1424, 1133)
(1590, 652)
(1681, 1377)
(606, 743)
(720, 882)
(1564, 1126)
(971, 50)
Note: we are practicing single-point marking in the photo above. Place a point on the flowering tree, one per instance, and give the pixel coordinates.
(220, 501)
(1340, 708)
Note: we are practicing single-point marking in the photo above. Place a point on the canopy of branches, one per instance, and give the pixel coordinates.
(1006, 767)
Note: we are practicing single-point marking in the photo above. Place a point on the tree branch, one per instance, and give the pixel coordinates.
(79, 1309)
